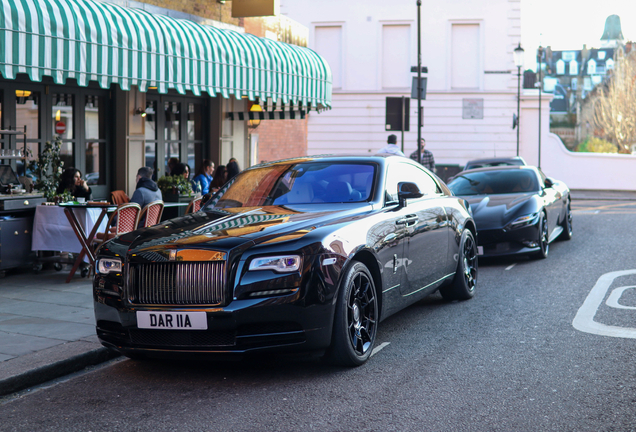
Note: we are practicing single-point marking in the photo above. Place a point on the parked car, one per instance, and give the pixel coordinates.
(518, 210)
(491, 162)
(308, 254)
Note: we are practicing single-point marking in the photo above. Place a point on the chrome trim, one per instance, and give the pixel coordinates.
(429, 285)
(177, 283)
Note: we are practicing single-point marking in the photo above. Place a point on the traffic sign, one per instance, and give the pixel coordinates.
(60, 128)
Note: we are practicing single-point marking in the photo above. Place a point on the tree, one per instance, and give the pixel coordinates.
(614, 103)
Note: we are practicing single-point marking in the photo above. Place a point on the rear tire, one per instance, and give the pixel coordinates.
(356, 318)
(463, 285)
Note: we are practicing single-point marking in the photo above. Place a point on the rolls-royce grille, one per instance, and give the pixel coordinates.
(178, 283)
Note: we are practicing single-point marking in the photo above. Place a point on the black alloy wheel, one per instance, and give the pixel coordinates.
(543, 239)
(463, 285)
(567, 224)
(356, 318)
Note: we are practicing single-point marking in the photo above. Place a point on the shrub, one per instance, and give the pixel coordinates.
(596, 145)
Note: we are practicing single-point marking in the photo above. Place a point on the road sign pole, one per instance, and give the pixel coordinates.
(419, 84)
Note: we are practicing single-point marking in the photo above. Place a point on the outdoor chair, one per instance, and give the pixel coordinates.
(151, 214)
(194, 206)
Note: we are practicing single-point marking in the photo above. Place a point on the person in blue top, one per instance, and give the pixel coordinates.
(203, 177)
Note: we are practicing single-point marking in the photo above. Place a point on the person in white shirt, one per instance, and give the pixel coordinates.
(391, 146)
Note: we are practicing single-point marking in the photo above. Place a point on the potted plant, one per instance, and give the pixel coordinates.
(47, 170)
(175, 188)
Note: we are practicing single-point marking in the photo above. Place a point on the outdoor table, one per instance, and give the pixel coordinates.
(85, 241)
(52, 228)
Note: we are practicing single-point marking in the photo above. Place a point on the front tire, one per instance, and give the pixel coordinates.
(356, 318)
(463, 285)
(543, 239)
(567, 224)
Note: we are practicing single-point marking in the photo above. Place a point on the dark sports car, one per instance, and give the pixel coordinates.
(518, 210)
(492, 162)
(306, 254)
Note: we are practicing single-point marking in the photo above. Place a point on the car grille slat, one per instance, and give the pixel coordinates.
(181, 283)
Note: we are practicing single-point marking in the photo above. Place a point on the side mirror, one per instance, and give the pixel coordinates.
(408, 190)
(548, 182)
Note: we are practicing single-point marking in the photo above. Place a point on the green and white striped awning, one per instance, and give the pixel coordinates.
(92, 41)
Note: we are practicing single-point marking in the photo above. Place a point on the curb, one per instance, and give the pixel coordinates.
(55, 370)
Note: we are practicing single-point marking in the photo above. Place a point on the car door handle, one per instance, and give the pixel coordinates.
(407, 220)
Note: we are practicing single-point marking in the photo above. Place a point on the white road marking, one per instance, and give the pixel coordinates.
(615, 296)
(511, 266)
(379, 348)
(584, 319)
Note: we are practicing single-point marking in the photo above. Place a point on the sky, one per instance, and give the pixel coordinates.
(568, 24)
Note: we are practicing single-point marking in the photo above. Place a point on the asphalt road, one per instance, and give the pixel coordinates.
(510, 359)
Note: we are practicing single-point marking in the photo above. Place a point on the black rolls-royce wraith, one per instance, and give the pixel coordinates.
(308, 254)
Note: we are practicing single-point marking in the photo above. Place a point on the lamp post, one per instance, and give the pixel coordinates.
(518, 59)
(540, 85)
(419, 84)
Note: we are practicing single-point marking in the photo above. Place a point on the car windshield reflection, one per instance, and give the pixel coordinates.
(494, 182)
(298, 183)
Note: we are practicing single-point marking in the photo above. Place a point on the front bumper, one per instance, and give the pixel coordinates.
(500, 242)
(277, 324)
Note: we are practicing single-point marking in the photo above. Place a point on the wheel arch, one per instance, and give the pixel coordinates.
(369, 260)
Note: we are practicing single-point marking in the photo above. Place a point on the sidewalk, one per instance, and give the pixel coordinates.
(47, 326)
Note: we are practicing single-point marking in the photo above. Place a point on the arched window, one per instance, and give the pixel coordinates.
(574, 67)
(560, 67)
(591, 67)
(609, 64)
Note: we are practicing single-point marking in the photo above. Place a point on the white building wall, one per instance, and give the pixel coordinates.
(355, 124)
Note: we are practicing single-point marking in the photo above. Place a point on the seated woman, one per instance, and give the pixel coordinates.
(204, 176)
(219, 178)
(71, 180)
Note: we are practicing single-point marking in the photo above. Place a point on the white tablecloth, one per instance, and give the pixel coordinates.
(53, 232)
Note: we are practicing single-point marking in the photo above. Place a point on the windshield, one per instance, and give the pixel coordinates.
(494, 182)
(297, 183)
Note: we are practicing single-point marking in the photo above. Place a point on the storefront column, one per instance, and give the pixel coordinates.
(129, 138)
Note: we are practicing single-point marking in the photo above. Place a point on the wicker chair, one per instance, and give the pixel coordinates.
(152, 213)
(127, 218)
(194, 206)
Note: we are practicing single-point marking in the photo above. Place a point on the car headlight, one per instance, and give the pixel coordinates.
(280, 263)
(108, 265)
(523, 221)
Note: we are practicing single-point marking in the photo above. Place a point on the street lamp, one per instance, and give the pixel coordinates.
(518, 59)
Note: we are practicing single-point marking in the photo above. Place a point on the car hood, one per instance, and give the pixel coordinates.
(497, 211)
(226, 229)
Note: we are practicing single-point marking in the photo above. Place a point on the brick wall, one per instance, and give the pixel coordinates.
(209, 9)
(281, 139)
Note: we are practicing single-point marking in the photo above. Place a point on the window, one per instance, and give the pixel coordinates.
(465, 56)
(328, 43)
(405, 172)
(609, 64)
(591, 67)
(62, 119)
(560, 67)
(601, 55)
(574, 67)
(396, 48)
(95, 140)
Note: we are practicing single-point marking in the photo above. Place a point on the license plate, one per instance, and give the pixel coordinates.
(172, 320)
(480, 250)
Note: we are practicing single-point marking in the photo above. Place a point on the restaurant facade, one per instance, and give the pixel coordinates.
(125, 87)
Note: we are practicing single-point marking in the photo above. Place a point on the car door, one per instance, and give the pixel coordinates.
(427, 231)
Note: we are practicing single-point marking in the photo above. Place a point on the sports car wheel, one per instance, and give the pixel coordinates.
(463, 286)
(567, 224)
(356, 319)
(543, 239)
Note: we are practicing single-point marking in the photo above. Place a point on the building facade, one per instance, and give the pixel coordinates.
(127, 84)
(371, 47)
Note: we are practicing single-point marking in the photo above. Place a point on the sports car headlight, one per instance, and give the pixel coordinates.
(280, 263)
(108, 265)
(523, 221)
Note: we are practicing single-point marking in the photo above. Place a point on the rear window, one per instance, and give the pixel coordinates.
(494, 182)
